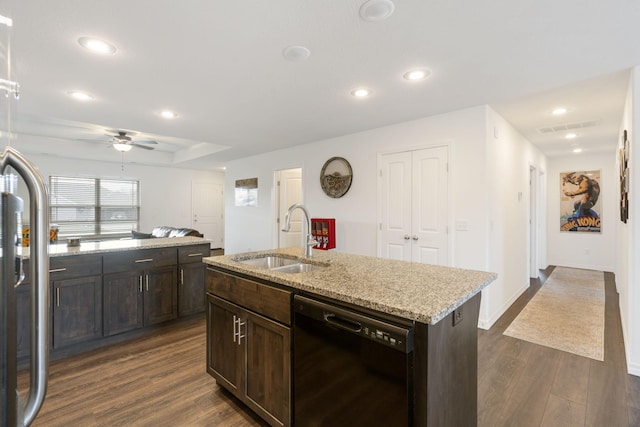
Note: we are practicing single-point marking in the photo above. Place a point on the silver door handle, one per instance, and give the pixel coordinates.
(140, 283)
(39, 271)
(415, 237)
(406, 237)
(235, 322)
(147, 279)
(240, 335)
(182, 276)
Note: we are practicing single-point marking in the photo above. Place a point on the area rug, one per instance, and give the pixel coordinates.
(567, 313)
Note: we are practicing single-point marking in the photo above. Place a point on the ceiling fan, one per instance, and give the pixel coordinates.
(123, 142)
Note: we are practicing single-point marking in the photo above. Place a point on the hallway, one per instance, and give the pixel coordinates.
(524, 384)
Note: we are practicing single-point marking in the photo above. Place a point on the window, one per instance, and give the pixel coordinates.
(94, 207)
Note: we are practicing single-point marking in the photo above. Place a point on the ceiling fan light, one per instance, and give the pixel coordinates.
(122, 147)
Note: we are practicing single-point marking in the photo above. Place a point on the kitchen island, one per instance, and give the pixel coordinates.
(108, 291)
(440, 304)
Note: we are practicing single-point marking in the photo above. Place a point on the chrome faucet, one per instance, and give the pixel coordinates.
(311, 242)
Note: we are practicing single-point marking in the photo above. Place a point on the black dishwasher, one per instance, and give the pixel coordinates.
(350, 368)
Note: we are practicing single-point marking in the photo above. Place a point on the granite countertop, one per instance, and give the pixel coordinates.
(421, 292)
(96, 247)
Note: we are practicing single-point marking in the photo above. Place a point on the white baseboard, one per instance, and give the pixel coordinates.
(488, 323)
(633, 368)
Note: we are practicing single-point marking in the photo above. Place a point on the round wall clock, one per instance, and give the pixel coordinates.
(335, 177)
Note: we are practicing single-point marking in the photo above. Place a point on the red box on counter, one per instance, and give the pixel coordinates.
(324, 232)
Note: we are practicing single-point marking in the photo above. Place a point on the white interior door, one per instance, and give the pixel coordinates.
(396, 206)
(289, 188)
(207, 216)
(429, 239)
(414, 206)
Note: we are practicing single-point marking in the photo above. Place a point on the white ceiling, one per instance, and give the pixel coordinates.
(219, 65)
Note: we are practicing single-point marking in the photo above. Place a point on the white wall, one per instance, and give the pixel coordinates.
(165, 193)
(472, 195)
(628, 235)
(356, 212)
(508, 158)
(594, 251)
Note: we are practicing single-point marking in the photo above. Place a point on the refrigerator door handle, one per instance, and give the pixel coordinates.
(39, 271)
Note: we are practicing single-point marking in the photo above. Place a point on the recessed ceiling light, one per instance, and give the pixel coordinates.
(168, 114)
(376, 10)
(6, 21)
(577, 150)
(80, 96)
(570, 136)
(361, 93)
(97, 46)
(417, 75)
(559, 111)
(296, 53)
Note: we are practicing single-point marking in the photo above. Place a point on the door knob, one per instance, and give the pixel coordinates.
(415, 237)
(406, 237)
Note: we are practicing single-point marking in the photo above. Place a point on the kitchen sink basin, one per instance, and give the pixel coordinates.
(300, 267)
(268, 261)
(280, 264)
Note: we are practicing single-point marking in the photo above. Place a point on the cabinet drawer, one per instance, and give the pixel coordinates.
(137, 260)
(188, 254)
(263, 299)
(66, 267)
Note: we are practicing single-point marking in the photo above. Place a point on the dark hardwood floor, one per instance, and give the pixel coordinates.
(524, 384)
(160, 380)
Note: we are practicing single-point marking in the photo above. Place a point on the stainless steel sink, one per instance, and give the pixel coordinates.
(300, 267)
(267, 261)
(281, 264)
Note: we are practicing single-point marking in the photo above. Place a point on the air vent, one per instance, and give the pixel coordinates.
(567, 126)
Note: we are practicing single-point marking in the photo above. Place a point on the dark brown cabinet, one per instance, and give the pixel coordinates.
(191, 290)
(140, 289)
(76, 299)
(248, 351)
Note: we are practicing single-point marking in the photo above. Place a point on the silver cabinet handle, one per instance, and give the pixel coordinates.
(406, 237)
(57, 297)
(198, 254)
(140, 283)
(144, 260)
(57, 270)
(182, 276)
(147, 279)
(415, 237)
(240, 334)
(235, 322)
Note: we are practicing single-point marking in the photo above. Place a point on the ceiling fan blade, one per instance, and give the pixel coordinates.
(143, 146)
(145, 141)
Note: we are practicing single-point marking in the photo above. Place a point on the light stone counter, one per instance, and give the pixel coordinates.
(420, 292)
(106, 246)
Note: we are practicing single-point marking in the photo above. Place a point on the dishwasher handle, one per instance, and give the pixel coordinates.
(348, 325)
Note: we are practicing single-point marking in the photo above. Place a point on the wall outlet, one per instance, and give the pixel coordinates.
(457, 316)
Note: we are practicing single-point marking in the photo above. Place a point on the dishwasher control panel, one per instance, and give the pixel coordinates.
(378, 330)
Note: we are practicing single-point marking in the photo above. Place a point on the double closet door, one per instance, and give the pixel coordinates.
(414, 206)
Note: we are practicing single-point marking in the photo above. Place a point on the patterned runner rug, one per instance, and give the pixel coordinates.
(567, 313)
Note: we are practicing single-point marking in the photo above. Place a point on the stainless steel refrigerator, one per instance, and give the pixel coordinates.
(15, 411)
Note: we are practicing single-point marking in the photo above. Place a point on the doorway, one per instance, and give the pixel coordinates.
(288, 187)
(413, 206)
(533, 222)
(207, 201)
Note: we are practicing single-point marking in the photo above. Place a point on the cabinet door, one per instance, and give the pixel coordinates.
(122, 302)
(268, 361)
(191, 294)
(160, 295)
(77, 310)
(224, 355)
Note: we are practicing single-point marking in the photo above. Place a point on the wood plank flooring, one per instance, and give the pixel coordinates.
(524, 384)
(160, 380)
